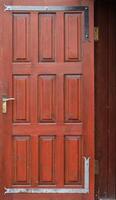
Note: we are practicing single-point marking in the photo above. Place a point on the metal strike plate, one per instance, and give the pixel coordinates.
(4, 103)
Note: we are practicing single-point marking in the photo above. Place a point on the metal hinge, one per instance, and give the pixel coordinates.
(85, 9)
(83, 190)
(96, 33)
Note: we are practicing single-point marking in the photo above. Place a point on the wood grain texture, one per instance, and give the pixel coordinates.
(47, 98)
(21, 37)
(72, 37)
(105, 89)
(47, 37)
(72, 160)
(22, 160)
(47, 156)
(73, 98)
(21, 107)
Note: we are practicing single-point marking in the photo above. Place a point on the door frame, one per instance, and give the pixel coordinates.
(105, 90)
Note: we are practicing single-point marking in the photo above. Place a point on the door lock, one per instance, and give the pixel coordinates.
(4, 103)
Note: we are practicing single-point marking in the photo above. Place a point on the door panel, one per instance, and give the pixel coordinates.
(47, 98)
(47, 161)
(47, 24)
(21, 160)
(21, 39)
(72, 36)
(73, 98)
(50, 74)
(21, 93)
(72, 169)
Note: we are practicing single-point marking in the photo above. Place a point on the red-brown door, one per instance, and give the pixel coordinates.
(48, 127)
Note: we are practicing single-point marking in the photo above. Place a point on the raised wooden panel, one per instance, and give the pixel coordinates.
(21, 50)
(72, 37)
(72, 160)
(47, 160)
(47, 98)
(46, 37)
(73, 98)
(21, 160)
(21, 87)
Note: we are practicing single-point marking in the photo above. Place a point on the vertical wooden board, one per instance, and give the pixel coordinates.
(105, 98)
(21, 160)
(47, 98)
(21, 39)
(21, 87)
(72, 160)
(73, 98)
(72, 37)
(47, 160)
(47, 37)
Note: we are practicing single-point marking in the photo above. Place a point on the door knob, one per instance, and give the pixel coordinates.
(4, 103)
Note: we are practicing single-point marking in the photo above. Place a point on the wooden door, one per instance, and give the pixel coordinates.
(48, 69)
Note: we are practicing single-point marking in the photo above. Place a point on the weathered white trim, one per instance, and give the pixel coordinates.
(44, 190)
(56, 190)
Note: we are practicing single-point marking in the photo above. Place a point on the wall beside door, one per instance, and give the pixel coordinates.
(105, 99)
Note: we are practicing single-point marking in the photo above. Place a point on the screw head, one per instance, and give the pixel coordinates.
(87, 35)
(46, 8)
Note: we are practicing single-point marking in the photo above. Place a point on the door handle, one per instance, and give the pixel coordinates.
(4, 103)
(5, 99)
